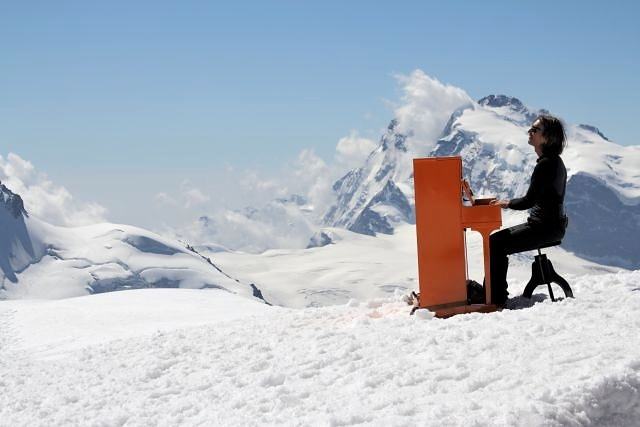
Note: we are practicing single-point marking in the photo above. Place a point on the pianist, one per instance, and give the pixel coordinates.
(544, 199)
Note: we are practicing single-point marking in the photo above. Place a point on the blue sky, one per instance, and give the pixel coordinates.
(146, 92)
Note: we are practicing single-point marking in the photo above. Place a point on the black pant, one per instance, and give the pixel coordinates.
(520, 238)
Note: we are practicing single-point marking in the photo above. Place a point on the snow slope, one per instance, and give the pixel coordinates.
(50, 328)
(40, 260)
(363, 267)
(571, 363)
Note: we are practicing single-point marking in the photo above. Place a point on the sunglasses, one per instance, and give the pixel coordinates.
(534, 129)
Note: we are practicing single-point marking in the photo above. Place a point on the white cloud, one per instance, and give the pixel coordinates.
(352, 150)
(308, 167)
(189, 197)
(165, 199)
(195, 197)
(252, 182)
(269, 224)
(274, 225)
(52, 203)
(425, 107)
(315, 179)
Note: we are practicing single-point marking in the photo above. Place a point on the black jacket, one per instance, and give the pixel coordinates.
(545, 196)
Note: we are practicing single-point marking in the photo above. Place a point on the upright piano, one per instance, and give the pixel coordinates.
(441, 221)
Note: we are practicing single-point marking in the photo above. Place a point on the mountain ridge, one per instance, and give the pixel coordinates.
(490, 136)
(12, 202)
(40, 260)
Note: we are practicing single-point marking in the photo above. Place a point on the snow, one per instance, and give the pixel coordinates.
(190, 357)
(502, 131)
(70, 261)
(49, 328)
(615, 165)
(363, 267)
(338, 347)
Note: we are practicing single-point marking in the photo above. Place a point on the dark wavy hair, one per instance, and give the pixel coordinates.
(553, 132)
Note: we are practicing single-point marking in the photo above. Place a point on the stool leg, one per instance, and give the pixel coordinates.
(556, 278)
(535, 281)
(542, 272)
(542, 261)
(551, 292)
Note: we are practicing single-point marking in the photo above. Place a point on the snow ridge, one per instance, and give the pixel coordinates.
(39, 260)
(18, 249)
(11, 202)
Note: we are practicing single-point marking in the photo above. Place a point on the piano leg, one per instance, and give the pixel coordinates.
(487, 262)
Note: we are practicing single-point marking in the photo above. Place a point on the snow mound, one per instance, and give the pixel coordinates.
(573, 362)
(46, 261)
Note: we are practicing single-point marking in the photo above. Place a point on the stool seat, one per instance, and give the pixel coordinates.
(542, 273)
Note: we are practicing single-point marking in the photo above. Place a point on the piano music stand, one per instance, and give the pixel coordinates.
(440, 223)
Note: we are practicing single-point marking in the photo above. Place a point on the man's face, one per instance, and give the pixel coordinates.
(535, 134)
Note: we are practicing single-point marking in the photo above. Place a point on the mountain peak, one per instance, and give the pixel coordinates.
(594, 130)
(293, 199)
(393, 139)
(11, 202)
(501, 101)
(511, 109)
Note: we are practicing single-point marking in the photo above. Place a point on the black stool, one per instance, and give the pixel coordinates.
(542, 273)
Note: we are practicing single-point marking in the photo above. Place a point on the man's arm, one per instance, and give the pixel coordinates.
(537, 178)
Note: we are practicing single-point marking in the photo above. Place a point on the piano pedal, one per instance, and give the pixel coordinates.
(414, 300)
(409, 298)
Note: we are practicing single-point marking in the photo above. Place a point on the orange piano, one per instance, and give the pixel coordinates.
(441, 221)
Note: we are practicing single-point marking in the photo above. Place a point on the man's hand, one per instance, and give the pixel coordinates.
(466, 188)
(504, 204)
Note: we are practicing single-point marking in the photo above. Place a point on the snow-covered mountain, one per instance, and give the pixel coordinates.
(376, 196)
(603, 190)
(603, 186)
(17, 248)
(40, 260)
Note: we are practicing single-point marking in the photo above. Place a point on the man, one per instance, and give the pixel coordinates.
(547, 221)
